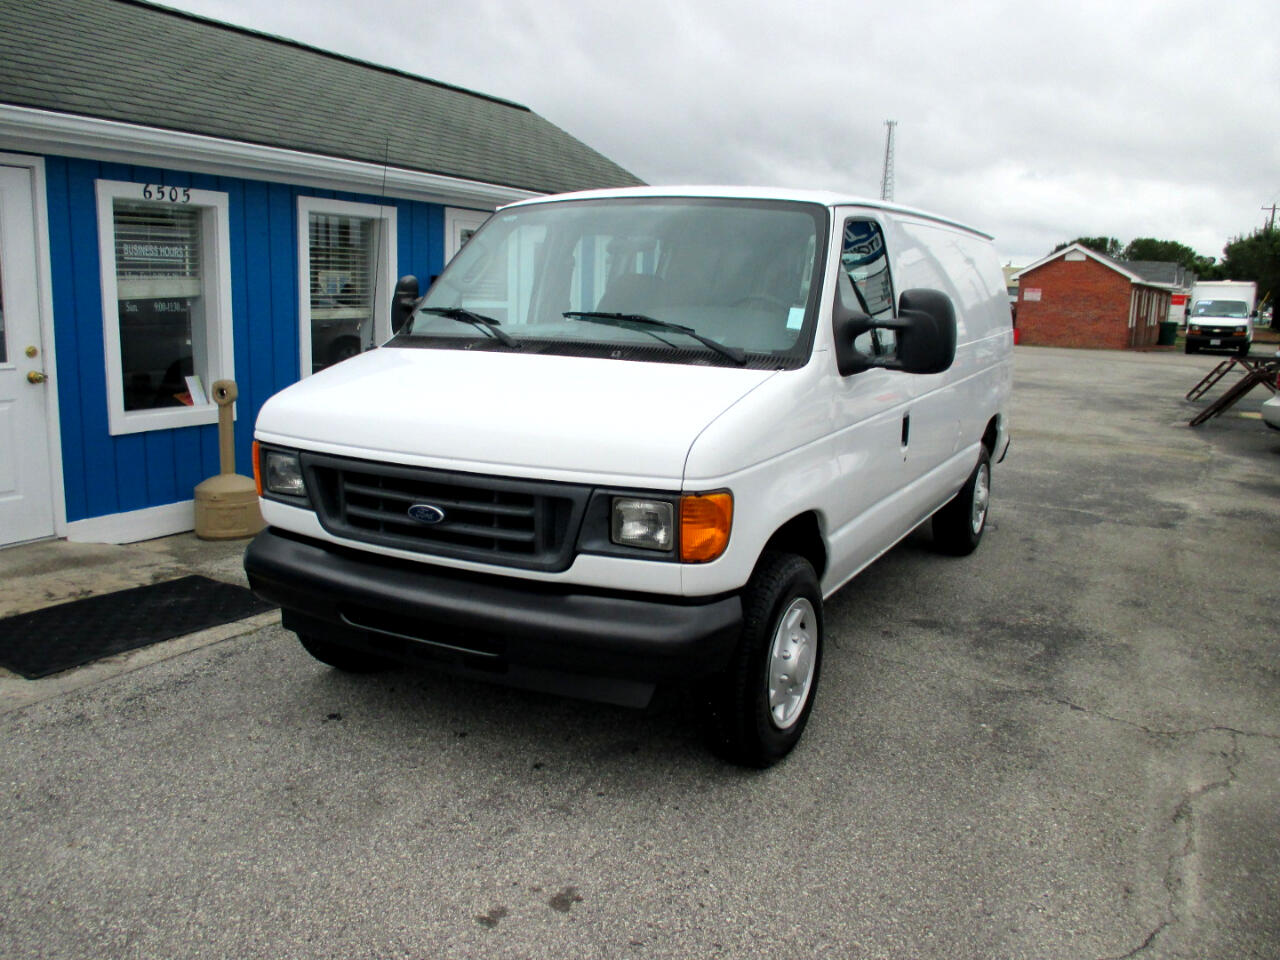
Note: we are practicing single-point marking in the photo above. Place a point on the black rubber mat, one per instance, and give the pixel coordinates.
(57, 638)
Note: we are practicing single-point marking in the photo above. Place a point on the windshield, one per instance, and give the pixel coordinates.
(674, 280)
(1221, 308)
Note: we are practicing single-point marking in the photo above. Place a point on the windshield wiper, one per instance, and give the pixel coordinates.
(477, 320)
(638, 321)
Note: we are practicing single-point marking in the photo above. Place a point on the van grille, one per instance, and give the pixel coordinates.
(518, 523)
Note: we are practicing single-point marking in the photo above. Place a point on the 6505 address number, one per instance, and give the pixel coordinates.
(156, 191)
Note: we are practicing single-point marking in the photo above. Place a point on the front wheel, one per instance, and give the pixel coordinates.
(759, 707)
(958, 527)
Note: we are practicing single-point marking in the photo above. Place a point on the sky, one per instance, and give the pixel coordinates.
(1035, 122)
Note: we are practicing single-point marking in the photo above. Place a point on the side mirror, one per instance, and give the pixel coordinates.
(404, 302)
(926, 325)
(849, 321)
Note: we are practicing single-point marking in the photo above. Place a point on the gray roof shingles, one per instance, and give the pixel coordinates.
(1149, 271)
(137, 63)
(1158, 271)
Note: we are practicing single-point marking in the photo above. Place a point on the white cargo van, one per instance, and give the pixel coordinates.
(638, 436)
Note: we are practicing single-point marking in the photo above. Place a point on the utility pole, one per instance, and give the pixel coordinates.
(886, 181)
(1271, 222)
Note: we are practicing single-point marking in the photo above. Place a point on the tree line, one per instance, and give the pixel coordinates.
(1255, 257)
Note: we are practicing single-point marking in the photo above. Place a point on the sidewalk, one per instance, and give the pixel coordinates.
(42, 574)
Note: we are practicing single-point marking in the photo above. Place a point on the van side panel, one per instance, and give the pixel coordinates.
(966, 267)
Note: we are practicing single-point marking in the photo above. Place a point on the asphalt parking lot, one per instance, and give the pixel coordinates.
(1066, 745)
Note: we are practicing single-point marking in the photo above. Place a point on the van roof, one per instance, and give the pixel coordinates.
(826, 198)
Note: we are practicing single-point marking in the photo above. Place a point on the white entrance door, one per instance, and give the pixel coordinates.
(26, 497)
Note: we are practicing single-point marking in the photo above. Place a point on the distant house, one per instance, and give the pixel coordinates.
(183, 201)
(1077, 297)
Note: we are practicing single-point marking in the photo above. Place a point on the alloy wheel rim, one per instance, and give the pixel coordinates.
(981, 498)
(792, 661)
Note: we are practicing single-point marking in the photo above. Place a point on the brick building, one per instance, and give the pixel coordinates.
(1077, 297)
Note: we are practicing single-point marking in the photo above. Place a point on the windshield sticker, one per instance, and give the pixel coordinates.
(795, 318)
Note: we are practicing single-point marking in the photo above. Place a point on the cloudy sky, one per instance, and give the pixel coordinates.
(1037, 125)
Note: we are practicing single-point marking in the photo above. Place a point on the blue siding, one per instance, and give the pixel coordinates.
(88, 378)
(103, 474)
(421, 247)
(255, 288)
(282, 245)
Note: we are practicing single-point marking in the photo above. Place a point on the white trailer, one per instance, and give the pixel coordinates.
(1245, 290)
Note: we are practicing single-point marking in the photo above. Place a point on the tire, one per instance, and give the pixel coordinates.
(1243, 351)
(758, 708)
(958, 527)
(1191, 349)
(347, 659)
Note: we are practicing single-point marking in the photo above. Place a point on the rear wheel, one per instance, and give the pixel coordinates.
(958, 527)
(1191, 349)
(759, 707)
(343, 658)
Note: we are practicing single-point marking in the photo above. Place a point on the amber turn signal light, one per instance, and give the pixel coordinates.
(705, 522)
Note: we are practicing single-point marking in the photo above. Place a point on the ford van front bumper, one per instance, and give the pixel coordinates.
(523, 632)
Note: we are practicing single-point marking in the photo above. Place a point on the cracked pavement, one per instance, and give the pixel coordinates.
(1064, 746)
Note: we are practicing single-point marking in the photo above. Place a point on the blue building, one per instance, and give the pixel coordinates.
(183, 201)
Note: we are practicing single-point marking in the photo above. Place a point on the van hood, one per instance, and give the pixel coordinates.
(568, 418)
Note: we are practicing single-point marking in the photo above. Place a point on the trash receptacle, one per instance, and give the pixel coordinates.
(1168, 333)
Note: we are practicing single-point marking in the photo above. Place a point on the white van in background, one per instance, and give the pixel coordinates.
(638, 436)
(1221, 316)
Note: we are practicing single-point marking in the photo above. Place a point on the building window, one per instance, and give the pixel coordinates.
(166, 297)
(459, 225)
(347, 273)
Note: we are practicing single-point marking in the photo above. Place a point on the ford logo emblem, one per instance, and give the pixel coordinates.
(426, 513)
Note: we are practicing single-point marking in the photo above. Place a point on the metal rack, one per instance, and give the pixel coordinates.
(1256, 371)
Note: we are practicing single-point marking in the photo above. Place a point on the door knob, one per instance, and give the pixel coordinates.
(36, 376)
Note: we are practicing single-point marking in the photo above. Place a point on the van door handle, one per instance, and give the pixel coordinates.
(906, 429)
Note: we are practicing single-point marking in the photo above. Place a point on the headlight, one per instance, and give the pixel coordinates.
(688, 528)
(282, 474)
(647, 524)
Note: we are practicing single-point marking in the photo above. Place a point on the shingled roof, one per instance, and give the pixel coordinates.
(137, 63)
(1150, 272)
(1160, 271)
